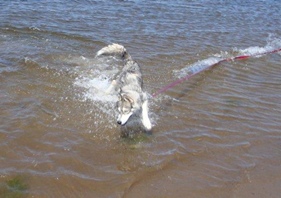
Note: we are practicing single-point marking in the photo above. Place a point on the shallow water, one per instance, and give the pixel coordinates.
(215, 135)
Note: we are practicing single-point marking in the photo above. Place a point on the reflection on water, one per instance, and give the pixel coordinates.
(215, 135)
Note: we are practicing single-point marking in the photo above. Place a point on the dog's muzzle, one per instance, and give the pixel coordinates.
(123, 118)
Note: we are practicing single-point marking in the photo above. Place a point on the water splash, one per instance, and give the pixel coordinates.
(273, 43)
(94, 80)
(96, 86)
(94, 76)
(197, 67)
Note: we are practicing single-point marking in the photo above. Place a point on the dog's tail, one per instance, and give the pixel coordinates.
(114, 50)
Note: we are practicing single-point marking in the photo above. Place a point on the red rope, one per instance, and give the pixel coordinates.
(224, 60)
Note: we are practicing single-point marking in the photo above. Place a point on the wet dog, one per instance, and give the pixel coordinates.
(128, 86)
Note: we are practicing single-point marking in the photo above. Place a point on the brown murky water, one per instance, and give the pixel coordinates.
(215, 135)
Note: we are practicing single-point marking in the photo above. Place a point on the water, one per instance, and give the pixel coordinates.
(215, 135)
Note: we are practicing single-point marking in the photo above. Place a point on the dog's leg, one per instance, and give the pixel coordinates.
(145, 119)
(111, 87)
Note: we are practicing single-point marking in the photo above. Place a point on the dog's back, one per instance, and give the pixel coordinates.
(130, 77)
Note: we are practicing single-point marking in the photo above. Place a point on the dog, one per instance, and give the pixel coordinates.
(128, 86)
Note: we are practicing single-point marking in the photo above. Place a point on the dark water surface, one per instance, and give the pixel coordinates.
(216, 135)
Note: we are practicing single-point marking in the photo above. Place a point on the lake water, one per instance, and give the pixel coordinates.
(216, 135)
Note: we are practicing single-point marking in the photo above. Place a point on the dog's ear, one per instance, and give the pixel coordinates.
(127, 98)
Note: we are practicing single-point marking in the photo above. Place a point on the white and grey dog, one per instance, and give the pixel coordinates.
(128, 86)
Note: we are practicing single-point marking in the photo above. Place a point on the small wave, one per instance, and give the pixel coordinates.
(6, 66)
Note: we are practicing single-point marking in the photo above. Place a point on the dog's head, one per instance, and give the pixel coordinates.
(126, 107)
